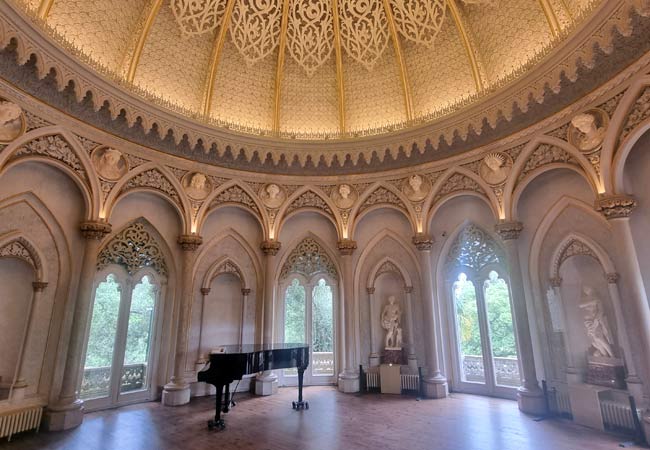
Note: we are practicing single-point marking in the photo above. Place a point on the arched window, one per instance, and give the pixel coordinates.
(486, 356)
(118, 360)
(308, 287)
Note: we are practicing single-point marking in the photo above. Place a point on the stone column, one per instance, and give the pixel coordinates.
(267, 382)
(177, 391)
(573, 374)
(245, 293)
(435, 383)
(67, 411)
(201, 360)
(373, 359)
(349, 378)
(412, 359)
(529, 396)
(617, 210)
(19, 386)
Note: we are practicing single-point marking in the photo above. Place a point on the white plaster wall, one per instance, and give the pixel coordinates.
(222, 313)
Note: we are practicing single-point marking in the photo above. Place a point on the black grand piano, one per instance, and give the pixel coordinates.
(232, 362)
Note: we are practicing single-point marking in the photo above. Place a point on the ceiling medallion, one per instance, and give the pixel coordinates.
(196, 17)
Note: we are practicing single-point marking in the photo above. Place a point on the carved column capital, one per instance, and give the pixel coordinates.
(370, 290)
(347, 246)
(616, 206)
(408, 289)
(189, 242)
(509, 230)
(423, 242)
(205, 291)
(556, 281)
(245, 291)
(270, 247)
(95, 230)
(612, 278)
(39, 286)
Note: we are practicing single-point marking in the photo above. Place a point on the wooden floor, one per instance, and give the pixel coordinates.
(334, 421)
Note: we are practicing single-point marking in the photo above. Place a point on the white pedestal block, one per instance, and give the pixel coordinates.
(266, 385)
(585, 405)
(390, 380)
(436, 388)
(348, 382)
(64, 417)
(176, 395)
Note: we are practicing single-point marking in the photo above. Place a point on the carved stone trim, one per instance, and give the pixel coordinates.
(308, 259)
(556, 281)
(616, 206)
(205, 291)
(423, 242)
(20, 248)
(573, 247)
(474, 248)
(95, 230)
(509, 230)
(408, 289)
(370, 290)
(245, 292)
(309, 199)
(231, 268)
(612, 278)
(39, 286)
(189, 242)
(346, 246)
(133, 248)
(270, 247)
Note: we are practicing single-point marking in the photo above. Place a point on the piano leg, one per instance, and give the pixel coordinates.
(300, 404)
(218, 422)
(226, 406)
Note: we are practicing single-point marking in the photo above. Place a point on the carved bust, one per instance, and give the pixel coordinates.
(495, 168)
(110, 163)
(272, 195)
(344, 196)
(12, 123)
(416, 188)
(587, 130)
(197, 185)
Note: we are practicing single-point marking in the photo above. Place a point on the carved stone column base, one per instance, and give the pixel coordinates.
(266, 384)
(18, 392)
(531, 401)
(413, 363)
(348, 382)
(176, 394)
(436, 387)
(64, 417)
(373, 360)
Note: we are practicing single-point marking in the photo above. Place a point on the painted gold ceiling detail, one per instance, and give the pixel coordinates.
(390, 53)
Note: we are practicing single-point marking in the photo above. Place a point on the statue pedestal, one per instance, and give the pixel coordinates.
(608, 372)
(393, 356)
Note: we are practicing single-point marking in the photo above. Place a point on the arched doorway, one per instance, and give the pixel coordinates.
(485, 353)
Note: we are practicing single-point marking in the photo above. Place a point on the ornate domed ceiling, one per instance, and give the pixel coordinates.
(311, 69)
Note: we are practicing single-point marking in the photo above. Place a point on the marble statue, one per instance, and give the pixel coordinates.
(197, 186)
(11, 123)
(495, 167)
(391, 322)
(596, 324)
(110, 163)
(344, 196)
(272, 195)
(587, 134)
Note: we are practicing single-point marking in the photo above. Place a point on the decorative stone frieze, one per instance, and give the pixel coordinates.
(245, 291)
(20, 249)
(423, 242)
(509, 230)
(308, 259)
(95, 230)
(153, 179)
(205, 291)
(55, 147)
(640, 112)
(572, 247)
(408, 289)
(39, 286)
(235, 194)
(189, 242)
(475, 249)
(270, 247)
(309, 199)
(612, 277)
(133, 248)
(380, 196)
(370, 290)
(616, 206)
(346, 246)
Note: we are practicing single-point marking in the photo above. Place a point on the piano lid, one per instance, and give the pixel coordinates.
(253, 348)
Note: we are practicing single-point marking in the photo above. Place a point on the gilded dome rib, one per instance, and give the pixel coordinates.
(551, 18)
(471, 55)
(408, 102)
(44, 8)
(216, 57)
(144, 34)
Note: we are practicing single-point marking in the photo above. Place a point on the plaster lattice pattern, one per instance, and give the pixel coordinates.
(419, 20)
(244, 94)
(100, 27)
(255, 28)
(545, 154)
(572, 248)
(451, 81)
(474, 248)
(310, 33)
(235, 194)
(308, 259)
(17, 249)
(309, 200)
(153, 179)
(53, 147)
(159, 70)
(507, 34)
(134, 248)
(364, 31)
(34, 121)
(458, 182)
(381, 195)
(639, 113)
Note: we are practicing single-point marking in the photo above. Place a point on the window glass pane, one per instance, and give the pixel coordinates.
(469, 334)
(294, 317)
(96, 379)
(322, 330)
(138, 337)
(502, 335)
